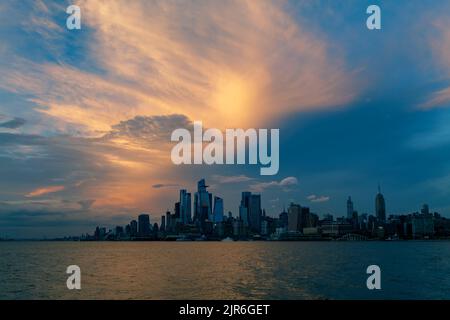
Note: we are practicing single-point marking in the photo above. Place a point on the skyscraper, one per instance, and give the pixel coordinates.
(144, 225)
(254, 212)
(306, 218)
(243, 215)
(294, 217)
(133, 228)
(300, 217)
(349, 208)
(196, 217)
(283, 218)
(218, 210)
(380, 206)
(177, 211)
(185, 206)
(169, 222)
(245, 198)
(202, 202)
(163, 223)
(250, 211)
(244, 208)
(425, 209)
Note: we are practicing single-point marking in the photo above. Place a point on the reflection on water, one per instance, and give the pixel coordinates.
(218, 270)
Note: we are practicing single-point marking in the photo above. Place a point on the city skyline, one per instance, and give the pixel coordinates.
(297, 223)
(86, 115)
(209, 208)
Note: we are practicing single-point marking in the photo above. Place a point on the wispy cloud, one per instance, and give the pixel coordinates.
(314, 198)
(439, 40)
(44, 190)
(244, 63)
(165, 185)
(439, 98)
(286, 183)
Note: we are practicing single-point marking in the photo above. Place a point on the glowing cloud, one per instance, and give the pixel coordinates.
(233, 64)
(440, 44)
(44, 190)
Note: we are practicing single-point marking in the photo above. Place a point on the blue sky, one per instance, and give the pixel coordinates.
(86, 115)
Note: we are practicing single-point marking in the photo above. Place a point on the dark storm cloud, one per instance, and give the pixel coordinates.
(149, 129)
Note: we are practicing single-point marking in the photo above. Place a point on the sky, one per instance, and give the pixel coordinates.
(86, 115)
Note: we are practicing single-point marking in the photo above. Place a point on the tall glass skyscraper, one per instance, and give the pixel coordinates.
(243, 208)
(133, 228)
(250, 210)
(218, 210)
(203, 202)
(253, 211)
(185, 206)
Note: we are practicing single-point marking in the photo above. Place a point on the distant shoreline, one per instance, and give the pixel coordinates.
(197, 241)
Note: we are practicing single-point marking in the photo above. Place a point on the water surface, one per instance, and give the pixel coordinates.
(219, 270)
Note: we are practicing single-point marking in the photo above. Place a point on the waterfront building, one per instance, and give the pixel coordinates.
(283, 219)
(425, 209)
(254, 212)
(218, 210)
(422, 225)
(202, 203)
(294, 217)
(163, 223)
(128, 230)
(243, 215)
(144, 225)
(118, 232)
(133, 228)
(336, 229)
(185, 206)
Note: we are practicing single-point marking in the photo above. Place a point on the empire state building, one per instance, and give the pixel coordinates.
(380, 206)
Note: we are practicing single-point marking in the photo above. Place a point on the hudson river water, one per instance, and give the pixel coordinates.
(225, 270)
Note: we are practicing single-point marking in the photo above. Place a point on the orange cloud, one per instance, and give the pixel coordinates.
(438, 98)
(44, 190)
(440, 44)
(229, 64)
